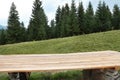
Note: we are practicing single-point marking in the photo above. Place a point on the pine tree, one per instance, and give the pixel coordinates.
(89, 19)
(103, 21)
(2, 37)
(23, 32)
(44, 22)
(31, 31)
(62, 27)
(67, 20)
(52, 29)
(97, 16)
(109, 18)
(74, 28)
(13, 30)
(38, 22)
(81, 18)
(116, 17)
(58, 22)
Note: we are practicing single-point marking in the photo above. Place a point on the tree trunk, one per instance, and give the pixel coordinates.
(101, 74)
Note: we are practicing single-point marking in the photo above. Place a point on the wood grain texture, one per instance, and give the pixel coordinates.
(56, 62)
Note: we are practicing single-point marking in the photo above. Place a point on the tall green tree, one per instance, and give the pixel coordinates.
(38, 22)
(103, 21)
(66, 20)
(81, 18)
(2, 37)
(13, 30)
(62, 27)
(23, 32)
(116, 17)
(44, 22)
(74, 28)
(89, 19)
(58, 22)
(52, 29)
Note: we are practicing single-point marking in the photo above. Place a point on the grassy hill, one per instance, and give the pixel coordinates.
(92, 42)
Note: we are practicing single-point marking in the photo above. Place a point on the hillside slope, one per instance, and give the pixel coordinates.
(92, 42)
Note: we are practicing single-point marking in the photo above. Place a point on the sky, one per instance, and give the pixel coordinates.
(24, 7)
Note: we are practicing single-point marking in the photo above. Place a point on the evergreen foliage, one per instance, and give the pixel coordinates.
(23, 32)
(81, 18)
(103, 18)
(38, 23)
(58, 22)
(69, 21)
(74, 28)
(62, 27)
(116, 17)
(2, 37)
(89, 19)
(52, 29)
(13, 30)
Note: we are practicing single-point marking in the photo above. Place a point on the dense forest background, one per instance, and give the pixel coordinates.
(69, 21)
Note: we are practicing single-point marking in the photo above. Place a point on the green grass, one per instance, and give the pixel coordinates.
(92, 42)
(69, 75)
(3, 76)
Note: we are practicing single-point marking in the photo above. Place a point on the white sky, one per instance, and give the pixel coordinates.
(24, 7)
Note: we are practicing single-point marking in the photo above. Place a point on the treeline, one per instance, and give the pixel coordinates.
(69, 21)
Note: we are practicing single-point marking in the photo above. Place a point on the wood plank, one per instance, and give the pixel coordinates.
(53, 62)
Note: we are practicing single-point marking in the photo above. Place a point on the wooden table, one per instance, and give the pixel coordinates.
(57, 62)
(53, 62)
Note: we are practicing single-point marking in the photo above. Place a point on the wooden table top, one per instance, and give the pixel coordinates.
(56, 62)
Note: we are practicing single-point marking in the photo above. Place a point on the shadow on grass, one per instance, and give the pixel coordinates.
(66, 75)
(69, 75)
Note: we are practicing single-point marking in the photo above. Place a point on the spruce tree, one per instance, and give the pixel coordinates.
(89, 19)
(74, 28)
(23, 32)
(2, 37)
(13, 30)
(109, 18)
(116, 17)
(81, 18)
(62, 27)
(97, 17)
(58, 22)
(103, 21)
(44, 23)
(52, 29)
(64, 21)
(67, 20)
(38, 22)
